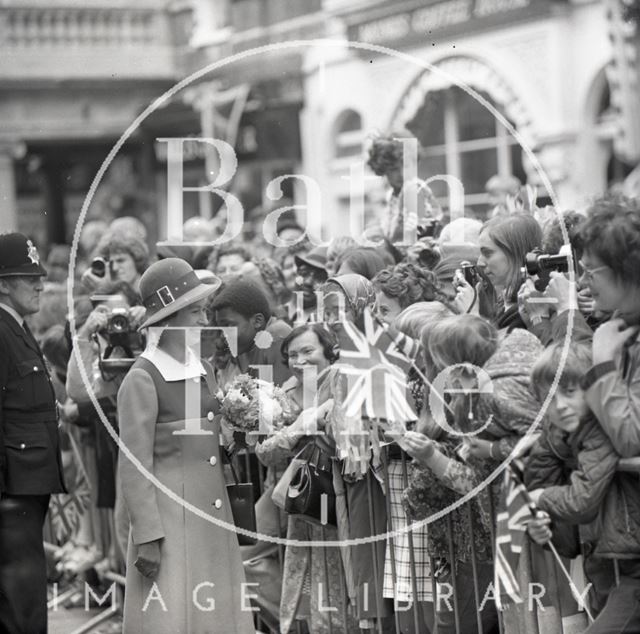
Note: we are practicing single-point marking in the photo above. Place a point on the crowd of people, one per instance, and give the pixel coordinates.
(543, 308)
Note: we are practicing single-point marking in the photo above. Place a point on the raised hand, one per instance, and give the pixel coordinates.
(609, 338)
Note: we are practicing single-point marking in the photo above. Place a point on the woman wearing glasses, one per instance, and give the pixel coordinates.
(610, 266)
(546, 313)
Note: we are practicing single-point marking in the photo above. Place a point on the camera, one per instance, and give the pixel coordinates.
(540, 265)
(118, 328)
(470, 272)
(430, 230)
(537, 263)
(120, 333)
(99, 267)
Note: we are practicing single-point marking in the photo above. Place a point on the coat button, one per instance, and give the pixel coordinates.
(35, 368)
(209, 415)
(213, 461)
(218, 503)
(23, 446)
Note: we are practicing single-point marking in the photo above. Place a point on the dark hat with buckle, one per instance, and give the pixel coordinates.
(169, 285)
(19, 256)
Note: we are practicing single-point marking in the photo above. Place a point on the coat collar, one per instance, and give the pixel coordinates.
(171, 369)
(7, 317)
(13, 313)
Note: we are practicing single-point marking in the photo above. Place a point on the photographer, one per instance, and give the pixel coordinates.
(549, 320)
(91, 343)
(610, 265)
(504, 242)
(118, 257)
(90, 339)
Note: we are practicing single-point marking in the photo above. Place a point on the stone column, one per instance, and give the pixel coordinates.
(211, 22)
(9, 151)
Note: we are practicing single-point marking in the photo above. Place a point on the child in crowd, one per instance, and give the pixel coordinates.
(573, 478)
(445, 469)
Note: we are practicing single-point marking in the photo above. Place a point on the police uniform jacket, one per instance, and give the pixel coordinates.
(30, 462)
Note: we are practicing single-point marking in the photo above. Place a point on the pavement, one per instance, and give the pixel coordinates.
(63, 621)
(70, 615)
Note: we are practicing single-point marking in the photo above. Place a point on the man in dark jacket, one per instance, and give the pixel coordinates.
(30, 464)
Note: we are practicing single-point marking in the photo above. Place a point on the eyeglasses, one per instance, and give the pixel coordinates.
(588, 273)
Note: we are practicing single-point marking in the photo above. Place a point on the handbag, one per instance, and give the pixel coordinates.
(310, 493)
(279, 493)
(243, 509)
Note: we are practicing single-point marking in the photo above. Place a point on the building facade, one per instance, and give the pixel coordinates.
(73, 78)
(406, 67)
(297, 88)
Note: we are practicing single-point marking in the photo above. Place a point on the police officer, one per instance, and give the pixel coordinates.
(30, 464)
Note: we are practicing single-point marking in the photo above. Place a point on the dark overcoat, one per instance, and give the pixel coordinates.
(30, 462)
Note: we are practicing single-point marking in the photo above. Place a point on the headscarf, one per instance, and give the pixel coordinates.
(358, 290)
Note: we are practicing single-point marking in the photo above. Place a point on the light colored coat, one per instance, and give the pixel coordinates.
(200, 561)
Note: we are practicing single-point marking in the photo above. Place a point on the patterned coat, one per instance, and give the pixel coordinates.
(513, 409)
(313, 578)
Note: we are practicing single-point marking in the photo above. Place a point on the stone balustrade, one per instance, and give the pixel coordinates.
(58, 26)
(94, 40)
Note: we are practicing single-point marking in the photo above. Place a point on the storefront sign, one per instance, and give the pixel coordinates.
(440, 19)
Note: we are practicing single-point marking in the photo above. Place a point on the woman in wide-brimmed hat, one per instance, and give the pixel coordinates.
(184, 573)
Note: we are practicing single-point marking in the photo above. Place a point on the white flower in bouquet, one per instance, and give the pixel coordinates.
(270, 412)
(254, 407)
(236, 396)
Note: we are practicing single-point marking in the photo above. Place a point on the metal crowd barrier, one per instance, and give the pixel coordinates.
(532, 623)
(527, 621)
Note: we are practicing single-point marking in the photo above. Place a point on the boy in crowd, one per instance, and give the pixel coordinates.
(572, 473)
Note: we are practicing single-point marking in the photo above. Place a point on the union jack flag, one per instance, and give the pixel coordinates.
(66, 509)
(399, 349)
(377, 386)
(515, 510)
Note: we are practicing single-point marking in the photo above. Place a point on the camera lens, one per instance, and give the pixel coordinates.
(99, 267)
(119, 323)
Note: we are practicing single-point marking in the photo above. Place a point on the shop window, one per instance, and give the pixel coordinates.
(348, 135)
(459, 137)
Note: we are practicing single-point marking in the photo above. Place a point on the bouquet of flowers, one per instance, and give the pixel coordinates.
(255, 407)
